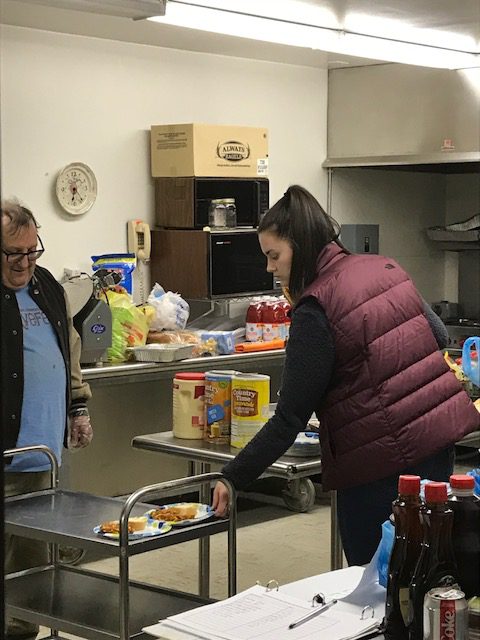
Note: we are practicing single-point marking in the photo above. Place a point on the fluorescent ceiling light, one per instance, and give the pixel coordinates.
(312, 36)
(401, 30)
(137, 9)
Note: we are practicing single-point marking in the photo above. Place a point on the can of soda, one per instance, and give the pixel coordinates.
(445, 614)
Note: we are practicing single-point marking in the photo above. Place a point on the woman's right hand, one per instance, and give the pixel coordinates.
(220, 500)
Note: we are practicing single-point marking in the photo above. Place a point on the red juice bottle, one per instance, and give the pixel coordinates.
(254, 323)
(271, 321)
(286, 317)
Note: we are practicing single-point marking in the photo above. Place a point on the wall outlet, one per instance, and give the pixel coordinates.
(69, 272)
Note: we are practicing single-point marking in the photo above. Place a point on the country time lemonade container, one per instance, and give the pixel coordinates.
(250, 406)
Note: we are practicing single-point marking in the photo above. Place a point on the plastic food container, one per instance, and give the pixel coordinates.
(188, 405)
(163, 352)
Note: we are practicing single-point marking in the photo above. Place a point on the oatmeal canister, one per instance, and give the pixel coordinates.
(250, 406)
(188, 405)
(218, 390)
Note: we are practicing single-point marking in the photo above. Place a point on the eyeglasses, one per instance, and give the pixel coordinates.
(14, 257)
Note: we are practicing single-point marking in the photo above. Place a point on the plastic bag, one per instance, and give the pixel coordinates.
(129, 326)
(475, 473)
(171, 310)
(384, 551)
(122, 263)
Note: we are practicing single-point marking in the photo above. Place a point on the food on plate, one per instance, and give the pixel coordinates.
(174, 514)
(134, 524)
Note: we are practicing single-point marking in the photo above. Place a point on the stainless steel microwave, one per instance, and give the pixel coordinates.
(216, 264)
(182, 203)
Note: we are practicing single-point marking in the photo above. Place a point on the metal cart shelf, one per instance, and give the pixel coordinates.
(86, 604)
(90, 604)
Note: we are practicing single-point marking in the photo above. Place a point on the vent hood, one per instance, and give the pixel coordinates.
(136, 9)
(404, 117)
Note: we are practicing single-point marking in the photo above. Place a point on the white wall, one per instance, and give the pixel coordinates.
(71, 98)
(403, 204)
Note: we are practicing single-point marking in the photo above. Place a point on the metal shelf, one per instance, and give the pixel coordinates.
(444, 162)
(86, 603)
(68, 517)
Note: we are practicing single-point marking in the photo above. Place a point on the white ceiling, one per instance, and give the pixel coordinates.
(461, 17)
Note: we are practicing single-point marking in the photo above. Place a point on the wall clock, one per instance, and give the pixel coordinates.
(76, 188)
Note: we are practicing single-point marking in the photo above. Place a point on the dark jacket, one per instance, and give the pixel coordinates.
(49, 296)
(393, 400)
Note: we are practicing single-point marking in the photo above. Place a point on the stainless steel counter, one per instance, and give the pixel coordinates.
(164, 369)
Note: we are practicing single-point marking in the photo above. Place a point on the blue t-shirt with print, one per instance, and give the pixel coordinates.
(44, 392)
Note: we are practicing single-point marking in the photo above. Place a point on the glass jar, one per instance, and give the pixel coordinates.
(222, 213)
(231, 212)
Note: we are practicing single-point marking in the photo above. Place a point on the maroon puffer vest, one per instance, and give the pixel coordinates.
(393, 400)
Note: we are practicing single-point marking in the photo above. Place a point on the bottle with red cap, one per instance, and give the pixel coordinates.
(436, 566)
(254, 323)
(272, 315)
(466, 533)
(405, 553)
(286, 306)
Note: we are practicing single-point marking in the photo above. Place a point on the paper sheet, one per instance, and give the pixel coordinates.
(257, 614)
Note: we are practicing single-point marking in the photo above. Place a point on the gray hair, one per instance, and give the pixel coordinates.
(18, 215)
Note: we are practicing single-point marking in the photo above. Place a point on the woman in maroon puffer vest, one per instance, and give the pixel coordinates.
(364, 355)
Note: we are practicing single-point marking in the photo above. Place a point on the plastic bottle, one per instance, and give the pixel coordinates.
(405, 554)
(436, 566)
(254, 324)
(272, 321)
(188, 405)
(286, 320)
(466, 533)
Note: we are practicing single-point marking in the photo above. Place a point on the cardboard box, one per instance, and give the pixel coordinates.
(184, 150)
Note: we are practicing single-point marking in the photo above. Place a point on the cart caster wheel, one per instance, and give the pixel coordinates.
(70, 555)
(299, 495)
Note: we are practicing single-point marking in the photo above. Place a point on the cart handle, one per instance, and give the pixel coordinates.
(155, 490)
(42, 448)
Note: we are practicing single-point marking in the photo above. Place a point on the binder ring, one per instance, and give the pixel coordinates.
(271, 584)
(318, 598)
(365, 609)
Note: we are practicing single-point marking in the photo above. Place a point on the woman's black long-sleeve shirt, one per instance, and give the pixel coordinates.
(309, 365)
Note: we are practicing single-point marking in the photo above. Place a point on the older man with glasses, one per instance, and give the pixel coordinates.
(43, 395)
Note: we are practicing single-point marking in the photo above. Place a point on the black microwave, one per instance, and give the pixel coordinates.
(182, 203)
(203, 264)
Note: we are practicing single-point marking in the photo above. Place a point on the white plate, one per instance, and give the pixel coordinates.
(203, 512)
(152, 528)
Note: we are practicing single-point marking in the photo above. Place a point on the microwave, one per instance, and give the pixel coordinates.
(209, 264)
(182, 203)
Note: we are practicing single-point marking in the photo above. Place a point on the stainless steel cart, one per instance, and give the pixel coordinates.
(299, 496)
(87, 603)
